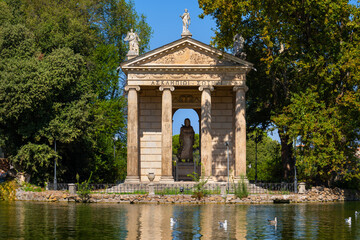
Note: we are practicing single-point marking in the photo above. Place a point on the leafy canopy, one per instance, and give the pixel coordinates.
(59, 82)
(301, 49)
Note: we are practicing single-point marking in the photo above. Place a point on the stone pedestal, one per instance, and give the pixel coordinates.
(302, 188)
(151, 189)
(186, 34)
(223, 189)
(72, 188)
(184, 169)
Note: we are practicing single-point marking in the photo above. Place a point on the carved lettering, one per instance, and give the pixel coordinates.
(188, 83)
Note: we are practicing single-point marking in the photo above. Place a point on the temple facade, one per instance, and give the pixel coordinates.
(185, 74)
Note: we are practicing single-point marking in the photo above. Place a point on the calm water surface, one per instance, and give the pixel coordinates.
(33, 220)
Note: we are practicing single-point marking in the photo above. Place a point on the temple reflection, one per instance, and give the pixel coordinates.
(192, 221)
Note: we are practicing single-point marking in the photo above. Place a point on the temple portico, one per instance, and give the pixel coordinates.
(185, 74)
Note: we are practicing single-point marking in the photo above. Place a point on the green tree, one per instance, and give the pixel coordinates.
(297, 47)
(268, 159)
(58, 69)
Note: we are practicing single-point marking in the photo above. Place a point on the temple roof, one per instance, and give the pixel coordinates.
(186, 53)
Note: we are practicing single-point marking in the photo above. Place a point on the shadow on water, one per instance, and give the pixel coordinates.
(32, 220)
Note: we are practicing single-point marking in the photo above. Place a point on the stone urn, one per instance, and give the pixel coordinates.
(151, 176)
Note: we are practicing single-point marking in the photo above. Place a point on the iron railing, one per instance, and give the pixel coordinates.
(183, 188)
(271, 188)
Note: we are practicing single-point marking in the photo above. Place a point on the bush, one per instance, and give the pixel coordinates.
(240, 188)
(8, 190)
(83, 189)
(199, 188)
(27, 187)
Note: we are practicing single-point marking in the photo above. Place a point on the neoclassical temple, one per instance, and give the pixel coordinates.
(187, 74)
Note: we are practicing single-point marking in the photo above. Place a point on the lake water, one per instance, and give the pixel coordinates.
(36, 220)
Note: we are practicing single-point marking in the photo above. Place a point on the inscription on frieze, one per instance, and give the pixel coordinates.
(196, 83)
(185, 78)
(185, 83)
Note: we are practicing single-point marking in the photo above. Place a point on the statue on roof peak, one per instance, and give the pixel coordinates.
(186, 23)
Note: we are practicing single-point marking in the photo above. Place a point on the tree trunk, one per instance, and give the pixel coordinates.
(286, 155)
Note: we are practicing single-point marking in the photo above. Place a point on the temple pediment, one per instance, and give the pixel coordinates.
(186, 62)
(186, 52)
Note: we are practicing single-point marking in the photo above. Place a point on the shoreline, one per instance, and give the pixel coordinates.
(311, 196)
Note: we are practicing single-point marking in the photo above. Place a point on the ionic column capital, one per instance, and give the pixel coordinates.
(245, 88)
(128, 87)
(202, 88)
(162, 88)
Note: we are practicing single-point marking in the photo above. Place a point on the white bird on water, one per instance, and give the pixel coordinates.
(356, 214)
(223, 225)
(172, 222)
(348, 220)
(273, 222)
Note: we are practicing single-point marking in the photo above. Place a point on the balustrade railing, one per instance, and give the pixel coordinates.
(183, 188)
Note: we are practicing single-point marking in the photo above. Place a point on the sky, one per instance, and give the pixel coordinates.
(164, 18)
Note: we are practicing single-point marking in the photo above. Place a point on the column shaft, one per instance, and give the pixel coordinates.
(206, 138)
(166, 135)
(240, 132)
(132, 136)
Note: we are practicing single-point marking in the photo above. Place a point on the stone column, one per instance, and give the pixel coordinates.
(206, 139)
(166, 134)
(132, 136)
(240, 131)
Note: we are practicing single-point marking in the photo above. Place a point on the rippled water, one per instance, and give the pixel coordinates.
(33, 220)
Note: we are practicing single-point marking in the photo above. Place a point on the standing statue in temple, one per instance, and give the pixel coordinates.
(186, 140)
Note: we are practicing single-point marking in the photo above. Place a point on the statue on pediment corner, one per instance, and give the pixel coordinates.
(133, 39)
(238, 46)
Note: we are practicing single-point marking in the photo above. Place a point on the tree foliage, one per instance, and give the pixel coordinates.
(59, 82)
(268, 158)
(305, 52)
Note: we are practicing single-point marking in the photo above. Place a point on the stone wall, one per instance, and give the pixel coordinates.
(150, 133)
(313, 195)
(222, 131)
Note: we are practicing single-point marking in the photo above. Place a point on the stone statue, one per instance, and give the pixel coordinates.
(133, 39)
(186, 22)
(239, 46)
(186, 141)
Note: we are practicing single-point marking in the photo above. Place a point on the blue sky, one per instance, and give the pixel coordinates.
(164, 18)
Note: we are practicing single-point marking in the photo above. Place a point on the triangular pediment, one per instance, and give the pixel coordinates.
(185, 52)
(188, 55)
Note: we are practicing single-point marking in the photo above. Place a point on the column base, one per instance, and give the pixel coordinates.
(166, 179)
(132, 179)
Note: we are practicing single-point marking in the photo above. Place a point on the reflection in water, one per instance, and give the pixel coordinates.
(32, 220)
